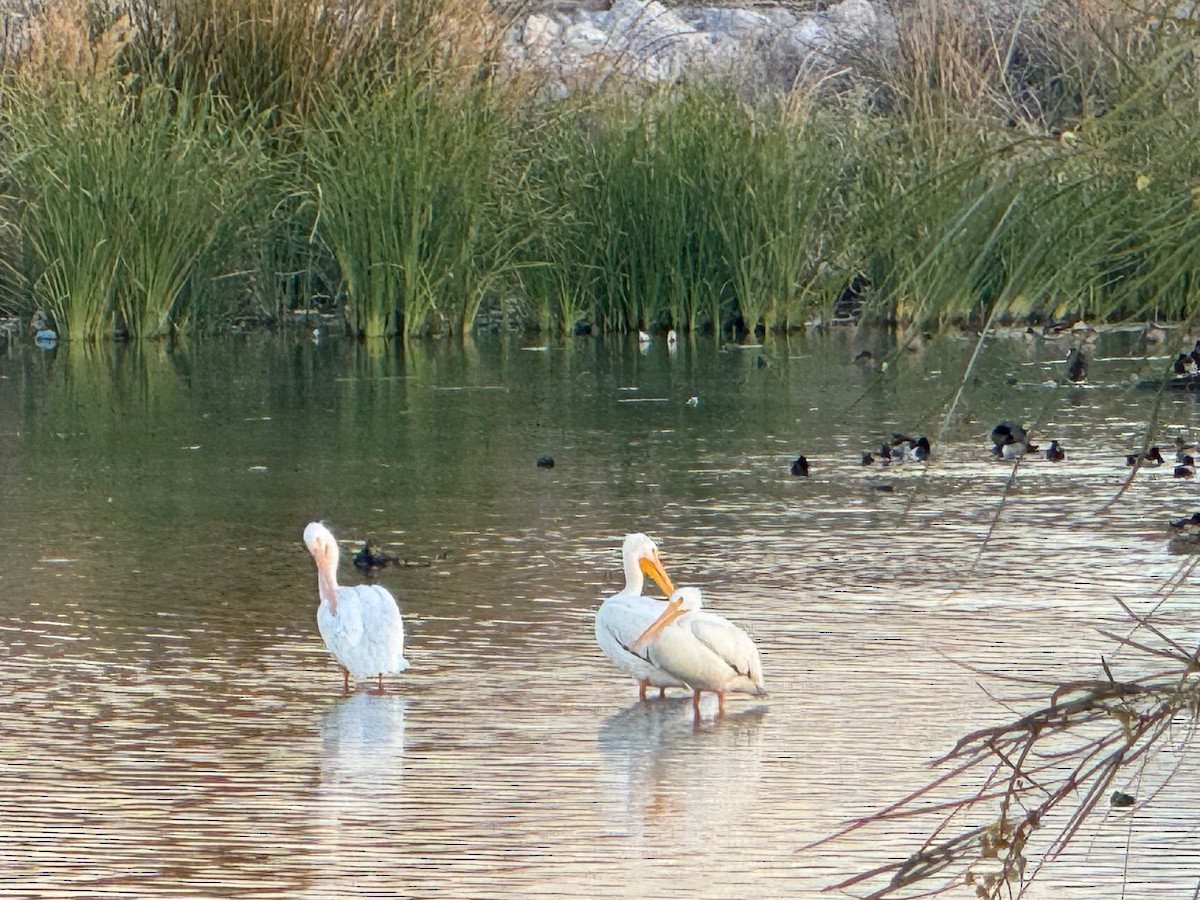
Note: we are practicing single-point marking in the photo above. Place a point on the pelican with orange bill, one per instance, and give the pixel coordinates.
(627, 614)
(702, 650)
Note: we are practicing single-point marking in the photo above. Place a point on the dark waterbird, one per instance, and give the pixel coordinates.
(1184, 365)
(800, 467)
(1055, 453)
(918, 449)
(372, 556)
(1151, 458)
(1184, 448)
(1188, 522)
(1010, 439)
(1076, 366)
(904, 447)
(1185, 371)
(1187, 469)
(545, 462)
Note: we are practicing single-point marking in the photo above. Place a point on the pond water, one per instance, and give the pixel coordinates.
(173, 726)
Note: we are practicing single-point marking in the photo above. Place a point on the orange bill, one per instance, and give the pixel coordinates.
(652, 566)
(673, 611)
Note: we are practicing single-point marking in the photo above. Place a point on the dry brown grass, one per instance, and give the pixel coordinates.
(256, 54)
(1037, 67)
(68, 39)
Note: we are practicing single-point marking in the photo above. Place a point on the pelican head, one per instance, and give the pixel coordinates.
(683, 601)
(641, 559)
(324, 549)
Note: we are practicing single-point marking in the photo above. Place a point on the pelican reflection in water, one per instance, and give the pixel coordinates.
(359, 791)
(653, 757)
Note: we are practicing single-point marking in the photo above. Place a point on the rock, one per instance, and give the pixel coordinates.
(580, 45)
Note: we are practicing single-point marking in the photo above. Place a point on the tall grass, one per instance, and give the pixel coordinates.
(406, 189)
(694, 213)
(1038, 162)
(278, 58)
(131, 206)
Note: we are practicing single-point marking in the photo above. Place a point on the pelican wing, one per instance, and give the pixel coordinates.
(730, 643)
(619, 622)
(367, 635)
(382, 627)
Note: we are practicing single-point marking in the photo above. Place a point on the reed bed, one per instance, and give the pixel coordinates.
(407, 201)
(130, 207)
(203, 157)
(700, 213)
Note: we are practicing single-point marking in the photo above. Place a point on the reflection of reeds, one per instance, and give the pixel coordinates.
(1057, 763)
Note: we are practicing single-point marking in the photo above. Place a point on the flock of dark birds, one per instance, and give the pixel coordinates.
(1009, 441)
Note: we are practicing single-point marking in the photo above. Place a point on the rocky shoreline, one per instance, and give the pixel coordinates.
(585, 45)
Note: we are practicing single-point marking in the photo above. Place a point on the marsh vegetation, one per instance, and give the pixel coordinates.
(170, 165)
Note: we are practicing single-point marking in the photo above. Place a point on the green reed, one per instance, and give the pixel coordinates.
(407, 199)
(130, 205)
(692, 211)
(1047, 170)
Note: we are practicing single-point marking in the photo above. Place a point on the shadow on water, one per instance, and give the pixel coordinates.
(172, 723)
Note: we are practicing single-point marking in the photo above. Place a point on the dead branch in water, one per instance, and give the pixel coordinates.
(1070, 750)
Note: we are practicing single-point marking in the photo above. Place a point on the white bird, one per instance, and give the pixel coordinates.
(627, 614)
(361, 625)
(705, 651)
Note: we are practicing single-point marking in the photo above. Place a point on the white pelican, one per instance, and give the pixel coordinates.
(361, 625)
(705, 651)
(627, 614)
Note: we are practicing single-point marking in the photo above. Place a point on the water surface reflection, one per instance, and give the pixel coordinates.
(173, 727)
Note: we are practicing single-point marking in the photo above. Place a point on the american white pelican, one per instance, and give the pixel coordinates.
(705, 651)
(627, 614)
(361, 625)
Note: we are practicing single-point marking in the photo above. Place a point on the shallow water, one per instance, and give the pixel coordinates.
(173, 726)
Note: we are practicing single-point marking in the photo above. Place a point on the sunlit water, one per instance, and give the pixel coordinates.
(172, 725)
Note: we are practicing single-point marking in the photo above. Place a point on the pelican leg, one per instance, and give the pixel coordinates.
(720, 703)
(696, 709)
(662, 693)
(381, 682)
(345, 679)
(643, 683)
